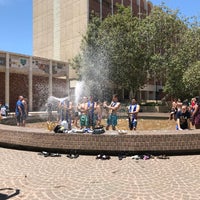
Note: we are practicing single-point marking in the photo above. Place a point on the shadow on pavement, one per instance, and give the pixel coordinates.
(8, 190)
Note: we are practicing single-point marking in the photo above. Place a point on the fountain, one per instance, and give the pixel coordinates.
(94, 79)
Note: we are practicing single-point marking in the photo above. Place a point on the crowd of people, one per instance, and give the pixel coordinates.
(88, 113)
(186, 114)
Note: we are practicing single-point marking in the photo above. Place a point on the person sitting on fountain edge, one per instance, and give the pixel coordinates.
(183, 118)
(113, 107)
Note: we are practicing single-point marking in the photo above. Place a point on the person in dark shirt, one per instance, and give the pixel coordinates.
(20, 111)
(183, 118)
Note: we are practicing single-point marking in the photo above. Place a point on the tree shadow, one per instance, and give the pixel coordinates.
(5, 196)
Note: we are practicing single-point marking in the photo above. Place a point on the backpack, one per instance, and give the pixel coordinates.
(59, 129)
(98, 130)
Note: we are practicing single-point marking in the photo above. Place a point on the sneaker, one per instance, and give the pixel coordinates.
(163, 157)
(99, 156)
(74, 156)
(70, 131)
(55, 155)
(136, 157)
(146, 157)
(45, 154)
(120, 157)
(105, 157)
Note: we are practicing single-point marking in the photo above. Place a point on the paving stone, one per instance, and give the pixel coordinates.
(28, 176)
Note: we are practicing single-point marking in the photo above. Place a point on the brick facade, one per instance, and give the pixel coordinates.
(33, 77)
(2, 86)
(19, 86)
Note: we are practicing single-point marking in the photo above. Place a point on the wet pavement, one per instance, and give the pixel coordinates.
(27, 175)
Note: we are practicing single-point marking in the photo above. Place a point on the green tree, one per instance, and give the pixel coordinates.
(120, 36)
(191, 79)
(122, 50)
(114, 51)
(171, 47)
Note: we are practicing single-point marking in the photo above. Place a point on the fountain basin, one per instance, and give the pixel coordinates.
(156, 142)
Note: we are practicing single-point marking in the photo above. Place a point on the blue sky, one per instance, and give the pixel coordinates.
(16, 21)
(16, 26)
(187, 8)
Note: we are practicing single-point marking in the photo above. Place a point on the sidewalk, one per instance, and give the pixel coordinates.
(29, 176)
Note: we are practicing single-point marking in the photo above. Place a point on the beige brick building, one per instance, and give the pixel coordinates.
(58, 25)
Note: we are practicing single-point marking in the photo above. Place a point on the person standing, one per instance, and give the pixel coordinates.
(25, 114)
(49, 109)
(83, 109)
(19, 111)
(91, 112)
(196, 114)
(133, 111)
(68, 108)
(113, 108)
(76, 115)
(61, 111)
(98, 113)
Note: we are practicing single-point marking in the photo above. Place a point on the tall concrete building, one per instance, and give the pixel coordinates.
(58, 25)
(58, 29)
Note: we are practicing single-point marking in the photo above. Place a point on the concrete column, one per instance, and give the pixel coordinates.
(67, 82)
(131, 7)
(101, 17)
(112, 7)
(147, 9)
(7, 80)
(30, 85)
(88, 13)
(50, 78)
(139, 9)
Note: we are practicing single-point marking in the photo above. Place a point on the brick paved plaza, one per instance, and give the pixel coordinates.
(27, 175)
